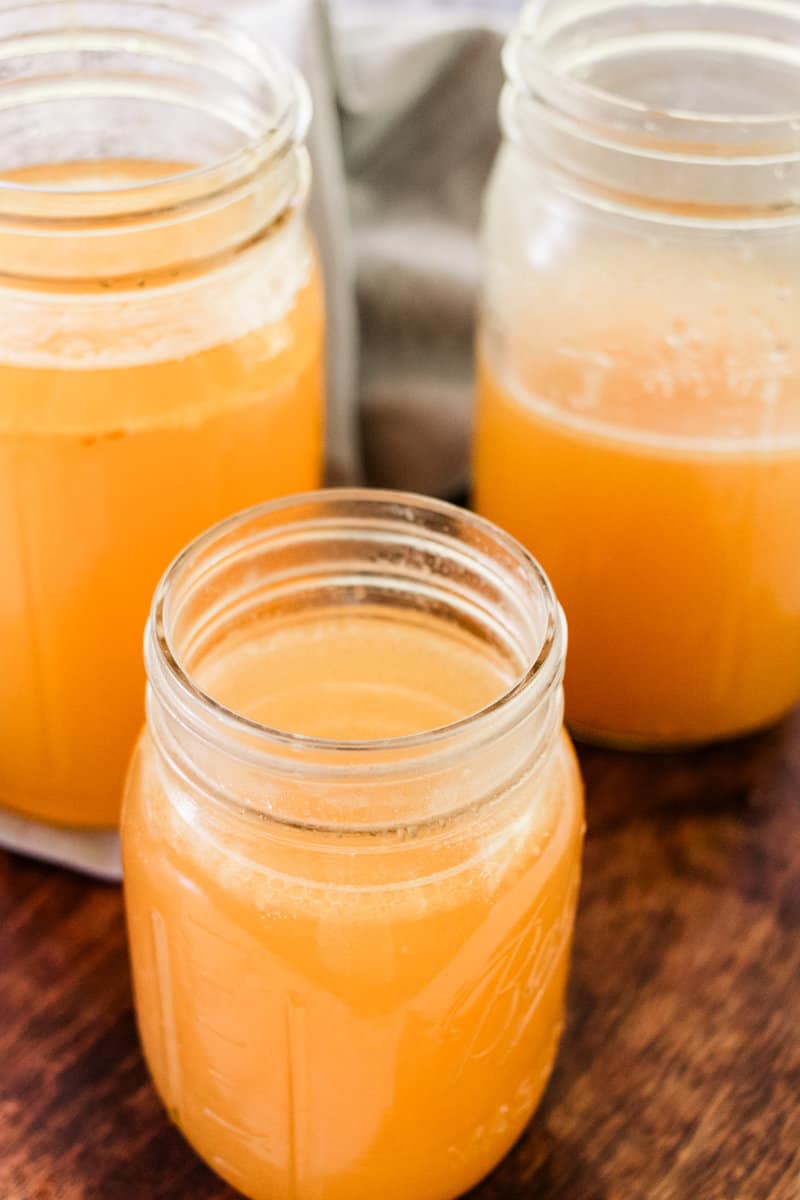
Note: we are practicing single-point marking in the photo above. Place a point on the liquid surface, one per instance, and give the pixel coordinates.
(420, 976)
(651, 462)
(117, 446)
(350, 677)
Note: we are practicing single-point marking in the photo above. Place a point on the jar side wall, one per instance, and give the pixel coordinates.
(104, 475)
(638, 427)
(347, 967)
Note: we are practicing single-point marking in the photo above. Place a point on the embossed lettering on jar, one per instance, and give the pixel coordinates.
(350, 939)
(638, 420)
(160, 354)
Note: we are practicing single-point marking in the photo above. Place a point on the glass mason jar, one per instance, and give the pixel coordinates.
(160, 354)
(351, 844)
(638, 418)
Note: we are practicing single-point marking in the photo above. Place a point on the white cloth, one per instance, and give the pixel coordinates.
(93, 853)
(404, 133)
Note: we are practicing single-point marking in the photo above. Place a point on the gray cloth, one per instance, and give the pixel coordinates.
(418, 91)
(405, 129)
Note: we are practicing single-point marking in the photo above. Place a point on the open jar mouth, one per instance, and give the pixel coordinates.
(353, 546)
(676, 86)
(94, 80)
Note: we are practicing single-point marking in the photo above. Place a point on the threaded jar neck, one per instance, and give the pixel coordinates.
(408, 558)
(94, 83)
(681, 111)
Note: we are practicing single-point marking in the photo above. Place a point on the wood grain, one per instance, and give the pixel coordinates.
(679, 1075)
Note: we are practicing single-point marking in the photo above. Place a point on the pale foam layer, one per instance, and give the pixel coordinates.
(591, 426)
(154, 318)
(377, 879)
(670, 342)
(63, 332)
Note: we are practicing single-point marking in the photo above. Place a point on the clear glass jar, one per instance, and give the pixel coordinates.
(349, 956)
(638, 419)
(160, 354)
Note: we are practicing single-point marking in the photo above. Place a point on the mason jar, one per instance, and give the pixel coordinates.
(351, 844)
(160, 354)
(638, 421)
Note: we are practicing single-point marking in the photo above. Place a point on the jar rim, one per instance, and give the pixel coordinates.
(533, 684)
(139, 28)
(663, 131)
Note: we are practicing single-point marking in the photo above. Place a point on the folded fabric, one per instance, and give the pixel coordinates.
(417, 87)
(93, 853)
(404, 132)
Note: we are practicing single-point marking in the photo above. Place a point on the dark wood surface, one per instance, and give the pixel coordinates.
(679, 1074)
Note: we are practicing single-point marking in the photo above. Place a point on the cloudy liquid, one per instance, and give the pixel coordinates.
(672, 544)
(110, 461)
(342, 1018)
